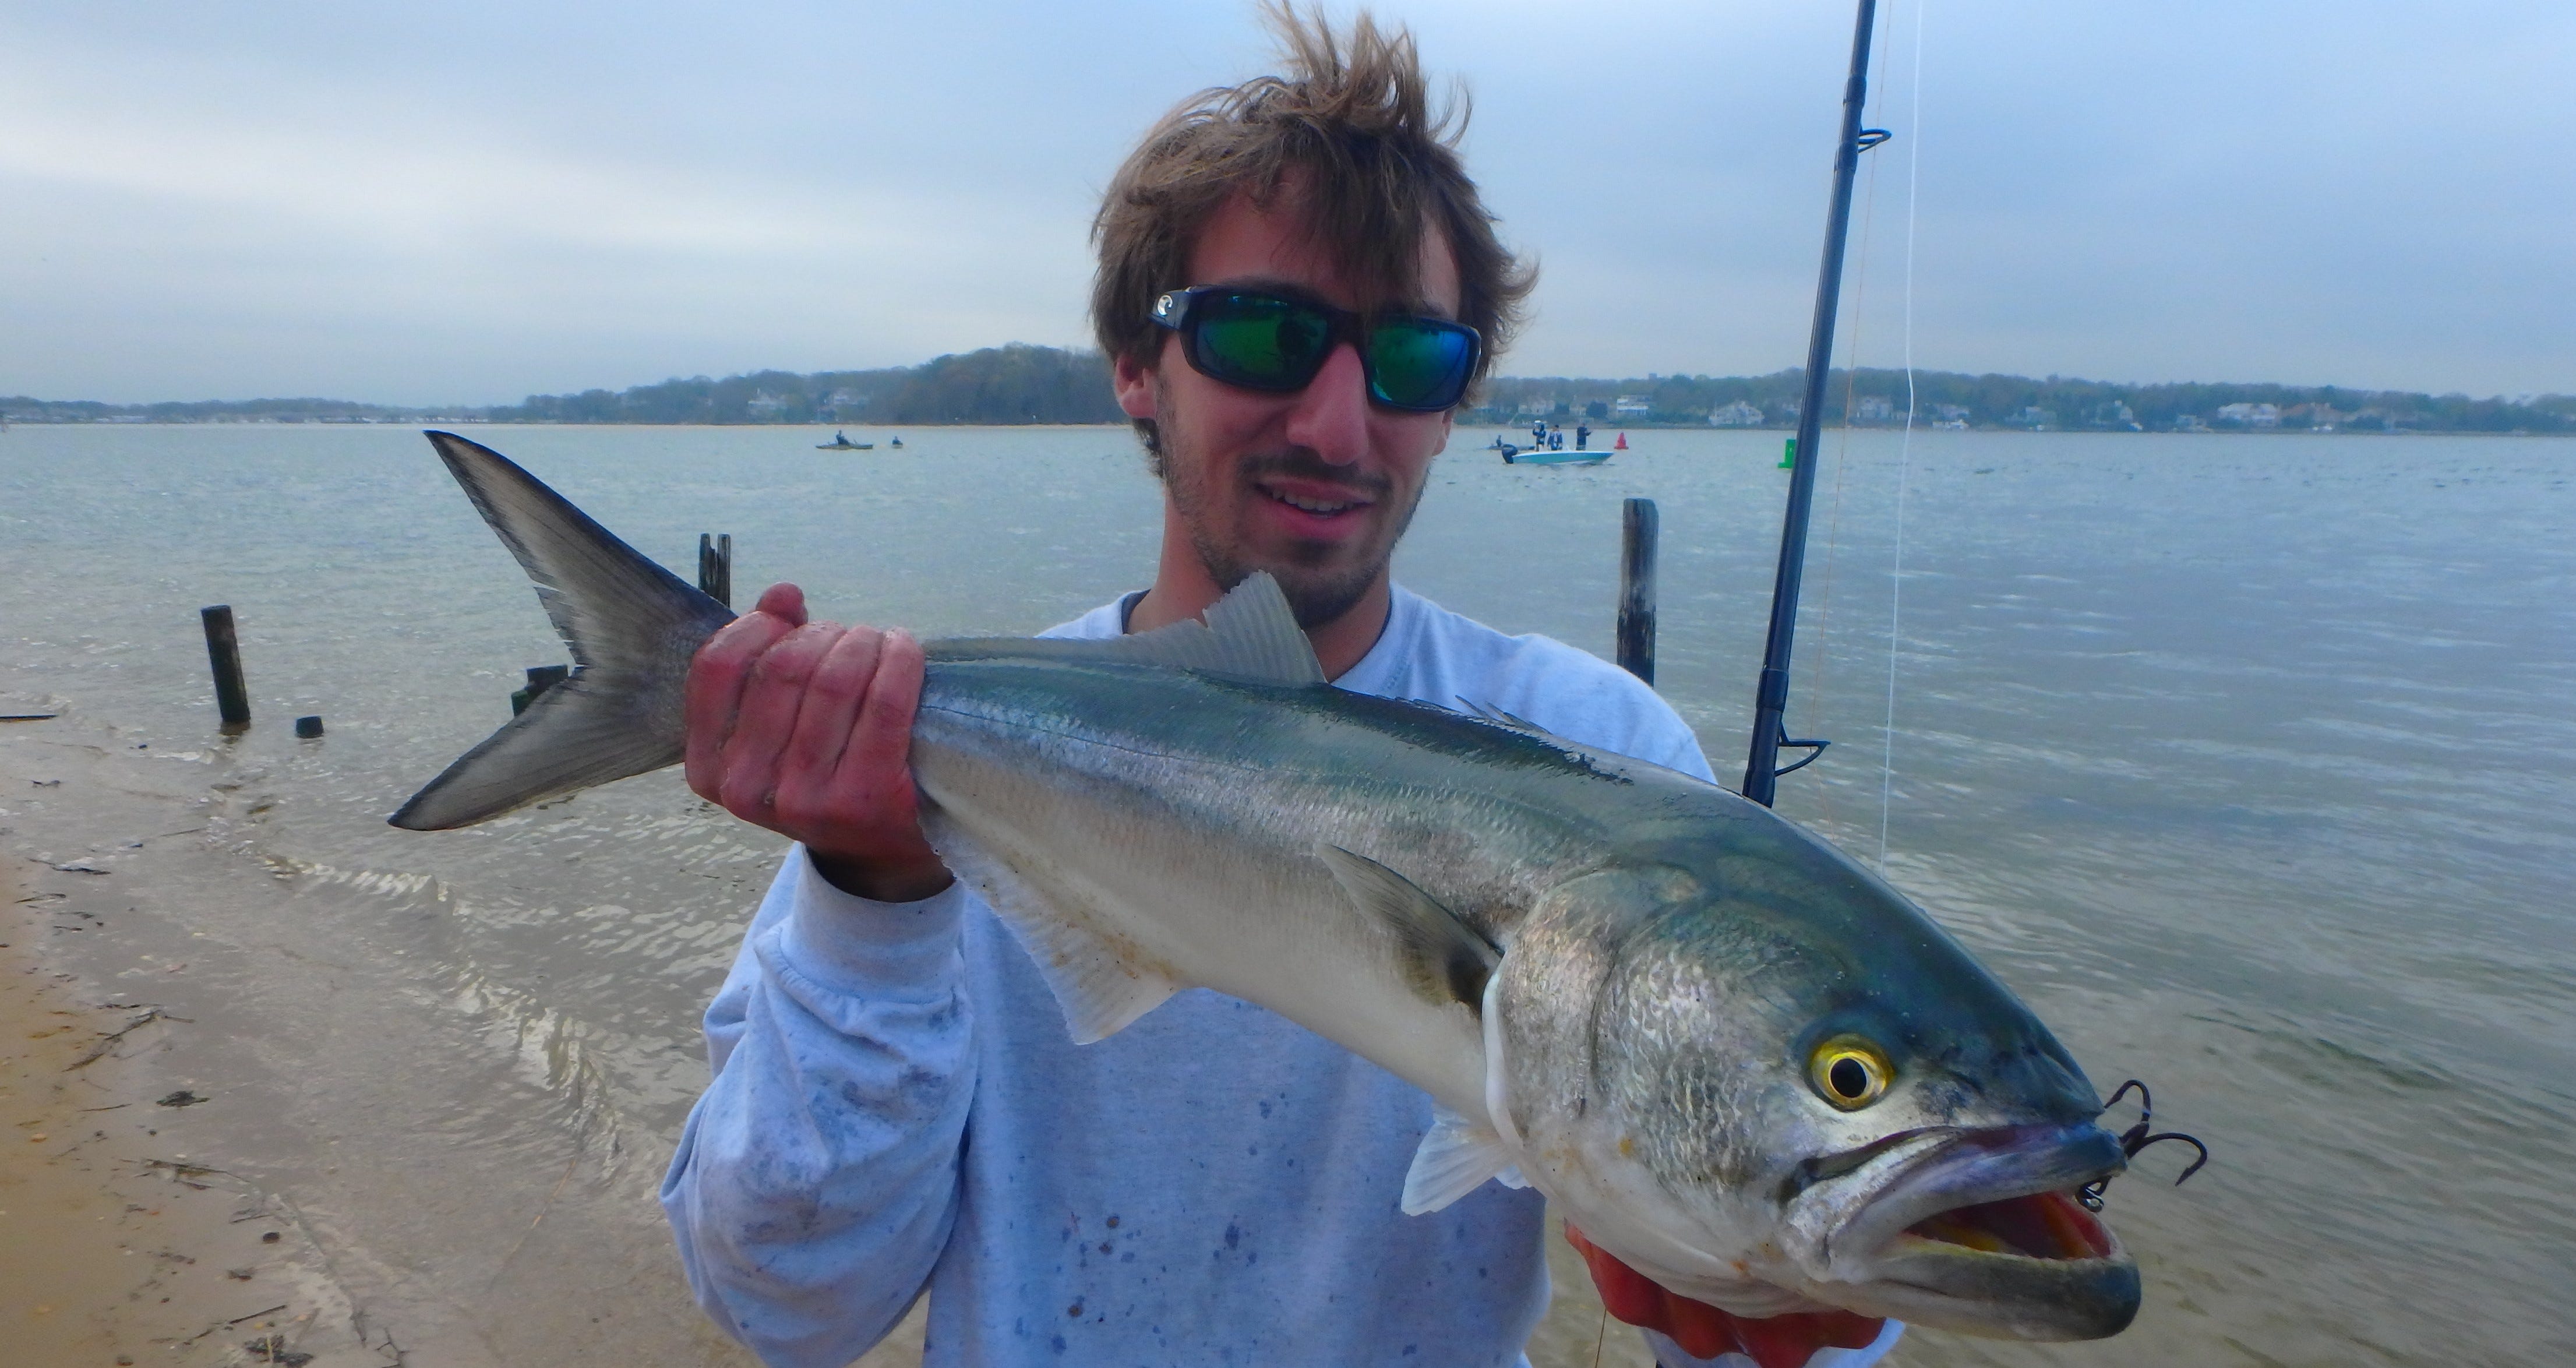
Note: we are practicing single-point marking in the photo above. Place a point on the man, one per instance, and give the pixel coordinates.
(1297, 284)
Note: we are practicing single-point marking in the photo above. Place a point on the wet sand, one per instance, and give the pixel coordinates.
(112, 1250)
(127, 1226)
(132, 1222)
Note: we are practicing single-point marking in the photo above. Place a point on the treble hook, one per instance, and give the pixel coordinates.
(2136, 1138)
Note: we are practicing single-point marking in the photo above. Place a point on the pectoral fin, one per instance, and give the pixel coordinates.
(1443, 958)
(1456, 1158)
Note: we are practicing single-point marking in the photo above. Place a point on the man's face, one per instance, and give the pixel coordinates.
(1316, 486)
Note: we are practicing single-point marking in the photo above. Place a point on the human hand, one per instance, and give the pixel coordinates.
(805, 728)
(1703, 1331)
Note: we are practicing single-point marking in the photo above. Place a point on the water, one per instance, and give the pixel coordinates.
(2251, 762)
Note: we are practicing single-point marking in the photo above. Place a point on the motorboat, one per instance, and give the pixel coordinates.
(1553, 454)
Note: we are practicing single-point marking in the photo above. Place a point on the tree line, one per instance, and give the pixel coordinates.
(1020, 383)
(1013, 384)
(1992, 400)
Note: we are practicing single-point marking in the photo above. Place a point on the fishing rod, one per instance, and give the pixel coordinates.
(1762, 768)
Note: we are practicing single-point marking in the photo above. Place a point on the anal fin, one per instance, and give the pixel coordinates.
(1100, 985)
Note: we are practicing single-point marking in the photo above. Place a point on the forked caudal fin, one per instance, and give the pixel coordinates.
(630, 624)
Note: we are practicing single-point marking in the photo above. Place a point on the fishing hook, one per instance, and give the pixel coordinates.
(2136, 1138)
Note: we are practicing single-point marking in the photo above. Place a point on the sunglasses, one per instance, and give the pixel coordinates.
(1263, 342)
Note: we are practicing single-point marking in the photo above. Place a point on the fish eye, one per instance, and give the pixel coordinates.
(1849, 1072)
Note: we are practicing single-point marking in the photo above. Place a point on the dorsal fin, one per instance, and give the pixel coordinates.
(1250, 634)
(1486, 712)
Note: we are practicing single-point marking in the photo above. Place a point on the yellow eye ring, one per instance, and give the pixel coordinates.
(1849, 1072)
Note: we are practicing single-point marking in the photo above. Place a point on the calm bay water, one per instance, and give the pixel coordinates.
(2251, 762)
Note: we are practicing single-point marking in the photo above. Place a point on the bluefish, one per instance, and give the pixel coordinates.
(1738, 1060)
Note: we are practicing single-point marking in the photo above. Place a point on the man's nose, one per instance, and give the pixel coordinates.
(1330, 417)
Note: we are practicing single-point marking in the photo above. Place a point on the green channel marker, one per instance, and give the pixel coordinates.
(1789, 456)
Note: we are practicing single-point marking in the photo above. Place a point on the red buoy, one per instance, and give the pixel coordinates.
(1623, 443)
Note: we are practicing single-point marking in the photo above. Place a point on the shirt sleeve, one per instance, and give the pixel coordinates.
(817, 1178)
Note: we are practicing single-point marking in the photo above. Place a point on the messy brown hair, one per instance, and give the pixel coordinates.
(1351, 121)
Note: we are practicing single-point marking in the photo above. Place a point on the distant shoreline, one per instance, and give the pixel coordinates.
(1504, 425)
(1022, 385)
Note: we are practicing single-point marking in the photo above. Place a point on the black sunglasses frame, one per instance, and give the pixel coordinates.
(1178, 310)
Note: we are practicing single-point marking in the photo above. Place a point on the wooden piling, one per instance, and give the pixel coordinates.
(540, 679)
(1637, 528)
(715, 566)
(223, 651)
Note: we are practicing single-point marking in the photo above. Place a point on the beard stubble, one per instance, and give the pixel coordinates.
(1317, 591)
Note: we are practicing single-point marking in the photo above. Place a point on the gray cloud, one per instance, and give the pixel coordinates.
(476, 201)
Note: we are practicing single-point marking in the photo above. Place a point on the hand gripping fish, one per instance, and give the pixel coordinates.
(1736, 1059)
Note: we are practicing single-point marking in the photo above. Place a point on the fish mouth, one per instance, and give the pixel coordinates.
(1980, 1231)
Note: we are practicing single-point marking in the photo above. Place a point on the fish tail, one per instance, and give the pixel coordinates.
(631, 625)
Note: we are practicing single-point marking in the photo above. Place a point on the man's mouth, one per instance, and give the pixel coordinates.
(1315, 502)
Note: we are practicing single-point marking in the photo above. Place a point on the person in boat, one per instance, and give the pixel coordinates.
(840, 438)
(895, 1103)
(1582, 436)
(1538, 432)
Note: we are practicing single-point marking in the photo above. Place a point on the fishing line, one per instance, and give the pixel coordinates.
(1904, 451)
(1820, 669)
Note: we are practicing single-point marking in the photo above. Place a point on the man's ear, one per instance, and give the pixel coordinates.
(1134, 382)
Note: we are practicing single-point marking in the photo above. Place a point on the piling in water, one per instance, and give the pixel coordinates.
(715, 566)
(1637, 527)
(540, 679)
(223, 651)
(308, 728)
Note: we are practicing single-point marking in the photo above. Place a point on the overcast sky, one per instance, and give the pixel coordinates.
(475, 200)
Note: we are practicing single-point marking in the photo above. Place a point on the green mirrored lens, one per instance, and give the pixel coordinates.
(1418, 363)
(1268, 343)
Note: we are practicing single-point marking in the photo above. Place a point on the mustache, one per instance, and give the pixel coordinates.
(1301, 463)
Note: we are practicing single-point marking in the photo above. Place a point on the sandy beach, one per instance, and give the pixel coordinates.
(113, 1248)
(116, 1243)
(173, 1188)
(174, 1194)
